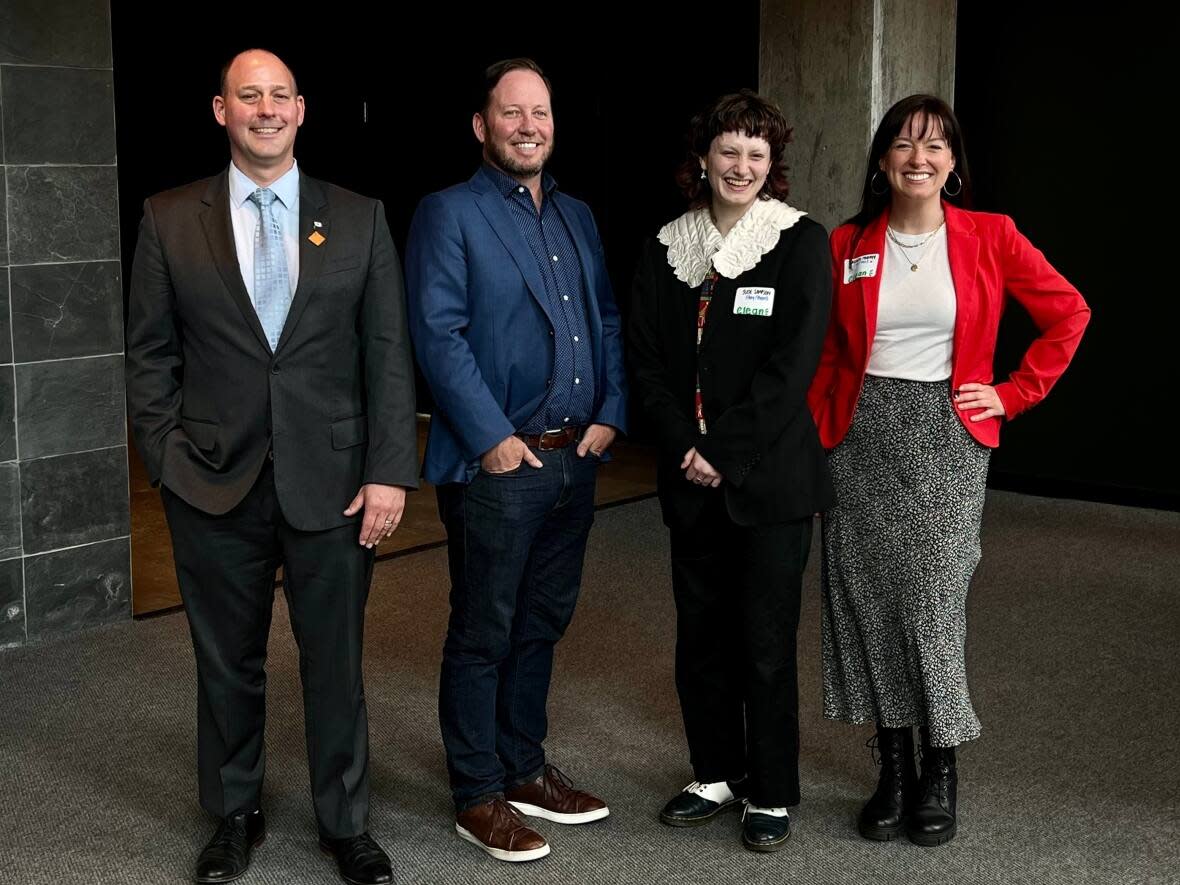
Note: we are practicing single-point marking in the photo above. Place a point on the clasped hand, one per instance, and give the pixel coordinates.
(698, 470)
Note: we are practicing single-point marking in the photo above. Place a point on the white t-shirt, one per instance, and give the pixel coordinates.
(915, 311)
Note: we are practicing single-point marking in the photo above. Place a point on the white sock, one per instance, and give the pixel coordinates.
(751, 808)
(718, 792)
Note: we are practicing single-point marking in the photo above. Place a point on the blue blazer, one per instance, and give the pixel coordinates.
(481, 326)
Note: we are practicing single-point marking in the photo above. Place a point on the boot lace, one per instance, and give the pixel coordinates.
(936, 776)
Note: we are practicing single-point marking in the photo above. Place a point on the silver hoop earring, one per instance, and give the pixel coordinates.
(872, 188)
(959, 190)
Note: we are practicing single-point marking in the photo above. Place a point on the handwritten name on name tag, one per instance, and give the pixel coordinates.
(754, 301)
(859, 268)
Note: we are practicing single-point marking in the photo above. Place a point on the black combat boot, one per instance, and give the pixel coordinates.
(932, 819)
(883, 817)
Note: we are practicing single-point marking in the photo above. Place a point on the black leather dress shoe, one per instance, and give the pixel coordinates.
(360, 859)
(227, 856)
(765, 832)
(689, 808)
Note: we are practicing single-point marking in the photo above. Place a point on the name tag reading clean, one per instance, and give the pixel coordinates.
(754, 301)
(859, 268)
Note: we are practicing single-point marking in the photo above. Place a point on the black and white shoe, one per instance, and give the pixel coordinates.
(765, 829)
(697, 803)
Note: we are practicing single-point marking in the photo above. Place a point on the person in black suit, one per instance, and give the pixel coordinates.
(728, 317)
(271, 393)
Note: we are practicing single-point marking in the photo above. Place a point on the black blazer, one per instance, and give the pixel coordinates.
(754, 372)
(208, 399)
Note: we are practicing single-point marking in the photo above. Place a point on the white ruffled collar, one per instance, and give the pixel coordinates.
(695, 245)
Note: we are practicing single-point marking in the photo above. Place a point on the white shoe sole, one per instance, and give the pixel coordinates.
(583, 817)
(501, 853)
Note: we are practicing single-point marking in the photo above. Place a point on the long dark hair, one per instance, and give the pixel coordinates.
(744, 111)
(927, 109)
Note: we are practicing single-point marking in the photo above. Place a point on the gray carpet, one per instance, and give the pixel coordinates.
(1075, 670)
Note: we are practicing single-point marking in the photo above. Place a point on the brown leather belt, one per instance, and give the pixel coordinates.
(551, 439)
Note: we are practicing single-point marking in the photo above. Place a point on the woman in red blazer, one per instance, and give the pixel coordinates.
(907, 405)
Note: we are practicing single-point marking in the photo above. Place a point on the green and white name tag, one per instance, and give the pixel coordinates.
(859, 268)
(754, 301)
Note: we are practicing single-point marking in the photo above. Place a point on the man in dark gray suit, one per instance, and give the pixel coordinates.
(271, 392)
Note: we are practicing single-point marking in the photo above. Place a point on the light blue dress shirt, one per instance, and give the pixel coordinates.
(243, 216)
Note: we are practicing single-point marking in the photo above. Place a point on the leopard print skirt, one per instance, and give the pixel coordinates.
(899, 549)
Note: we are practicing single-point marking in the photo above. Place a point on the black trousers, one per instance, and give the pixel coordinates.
(225, 566)
(737, 591)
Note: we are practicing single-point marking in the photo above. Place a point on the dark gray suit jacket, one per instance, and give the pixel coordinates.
(208, 399)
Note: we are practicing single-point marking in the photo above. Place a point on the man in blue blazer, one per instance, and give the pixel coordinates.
(517, 334)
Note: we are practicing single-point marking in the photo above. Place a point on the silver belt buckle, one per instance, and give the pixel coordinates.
(542, 443)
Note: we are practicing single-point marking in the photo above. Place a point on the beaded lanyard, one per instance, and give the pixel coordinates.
(702, 313)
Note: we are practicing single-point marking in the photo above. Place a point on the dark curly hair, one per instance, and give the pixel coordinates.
(744, 111)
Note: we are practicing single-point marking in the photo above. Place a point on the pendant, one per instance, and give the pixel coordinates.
(913, 267)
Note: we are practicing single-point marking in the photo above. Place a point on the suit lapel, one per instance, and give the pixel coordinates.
(313, 209)
(962, 246)
(491, 204)
(219, 234)
(872, 242)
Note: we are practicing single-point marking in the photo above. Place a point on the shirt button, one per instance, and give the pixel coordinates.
(575, 337)
(554, 257)
(577, 381)
(565, 420)
(565, 298)
(520, 190)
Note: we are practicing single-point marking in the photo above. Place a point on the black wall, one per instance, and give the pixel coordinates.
(1065, 117)
(624, 89)
(390, 100)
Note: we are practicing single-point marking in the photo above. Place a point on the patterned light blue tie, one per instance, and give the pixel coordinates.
(272, 285)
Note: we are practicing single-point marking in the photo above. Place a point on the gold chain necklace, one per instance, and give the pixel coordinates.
(902, 247)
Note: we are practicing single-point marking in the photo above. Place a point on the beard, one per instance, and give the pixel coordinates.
(514, 165)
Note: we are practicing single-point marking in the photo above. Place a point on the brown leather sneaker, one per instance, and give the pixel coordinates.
(497, 829)
(553, 797)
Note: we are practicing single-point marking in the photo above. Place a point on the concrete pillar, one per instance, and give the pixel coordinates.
(835, 66)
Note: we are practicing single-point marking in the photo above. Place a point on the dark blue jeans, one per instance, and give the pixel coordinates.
(517, 542)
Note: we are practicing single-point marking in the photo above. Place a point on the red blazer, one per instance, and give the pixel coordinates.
(989, 260)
